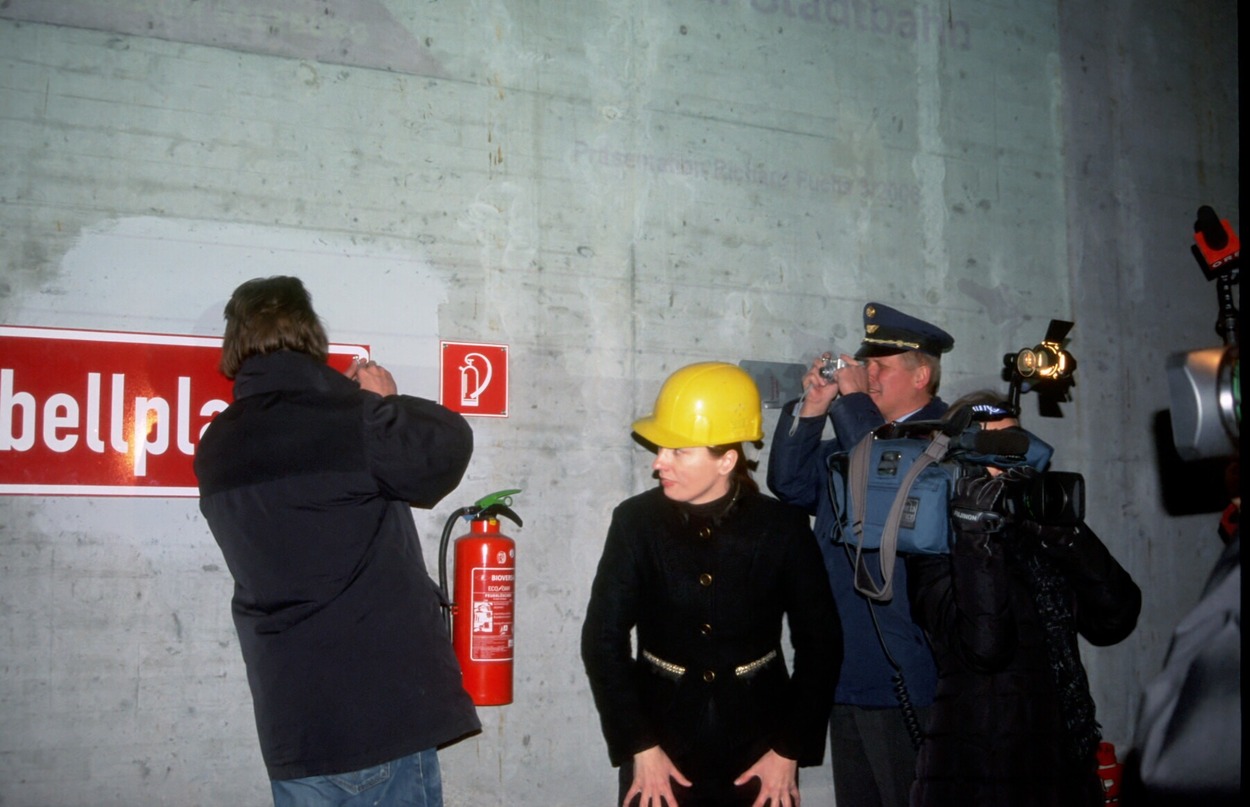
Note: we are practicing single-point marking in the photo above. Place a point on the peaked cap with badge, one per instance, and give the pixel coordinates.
(888, 331)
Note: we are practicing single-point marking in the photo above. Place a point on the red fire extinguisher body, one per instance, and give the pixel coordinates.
(483, 610)
(1110, 771)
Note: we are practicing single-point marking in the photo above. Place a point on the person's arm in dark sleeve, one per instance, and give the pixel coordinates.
(854, 415)
(1108, 602)
(796, 462)
(961, 602)
(606, 648)
(962, 599)
(797, 471)
(418, 450)
(816, 637)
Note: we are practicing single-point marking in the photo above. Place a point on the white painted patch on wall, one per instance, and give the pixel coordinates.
(160, 275)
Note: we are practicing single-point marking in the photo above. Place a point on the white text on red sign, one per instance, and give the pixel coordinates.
(108, 413)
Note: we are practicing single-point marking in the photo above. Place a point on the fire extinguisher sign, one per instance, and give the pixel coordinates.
(474, 378)
(491, 634)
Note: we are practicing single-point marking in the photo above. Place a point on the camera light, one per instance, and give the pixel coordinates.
(1046, 360)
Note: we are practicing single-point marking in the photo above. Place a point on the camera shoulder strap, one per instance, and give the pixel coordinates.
(857, 471)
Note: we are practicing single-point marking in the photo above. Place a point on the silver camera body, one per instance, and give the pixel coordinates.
(830, 365)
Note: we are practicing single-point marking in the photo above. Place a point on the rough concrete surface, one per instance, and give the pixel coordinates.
(612, 190)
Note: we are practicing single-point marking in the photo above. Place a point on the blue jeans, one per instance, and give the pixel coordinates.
(412, 781)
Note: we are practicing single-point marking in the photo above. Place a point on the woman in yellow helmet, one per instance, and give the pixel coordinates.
(704, 568)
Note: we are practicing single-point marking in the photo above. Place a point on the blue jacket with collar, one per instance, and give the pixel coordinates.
(798, 474)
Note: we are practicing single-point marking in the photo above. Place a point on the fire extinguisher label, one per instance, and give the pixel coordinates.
(491, 636)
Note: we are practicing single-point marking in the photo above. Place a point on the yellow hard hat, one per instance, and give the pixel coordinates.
(705, 404)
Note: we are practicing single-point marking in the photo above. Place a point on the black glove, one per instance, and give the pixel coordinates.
(978, 504)
(1050, 537)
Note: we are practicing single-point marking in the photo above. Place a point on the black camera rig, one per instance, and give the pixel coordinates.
(1034, 493)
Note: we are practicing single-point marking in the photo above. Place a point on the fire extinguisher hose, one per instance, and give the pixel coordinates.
(442, 562)
(489, 506)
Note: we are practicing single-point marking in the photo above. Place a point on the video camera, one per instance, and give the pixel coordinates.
(891, 494)
(1051, 498)
(1205, 385)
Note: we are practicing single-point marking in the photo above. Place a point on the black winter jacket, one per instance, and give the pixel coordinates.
(306, 482)
(997, 734)
(710, 597)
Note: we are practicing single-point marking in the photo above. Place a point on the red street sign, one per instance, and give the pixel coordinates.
(474, 379)
(70, 401)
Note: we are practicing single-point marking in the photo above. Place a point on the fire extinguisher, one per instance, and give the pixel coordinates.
(1111, 772)
(480, 618)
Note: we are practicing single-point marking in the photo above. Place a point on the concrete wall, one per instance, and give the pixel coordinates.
(613, 190)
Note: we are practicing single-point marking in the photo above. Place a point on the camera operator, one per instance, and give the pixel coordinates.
(1013, 721)
(872, 751)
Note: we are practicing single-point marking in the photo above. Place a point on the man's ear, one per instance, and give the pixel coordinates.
(922, 376)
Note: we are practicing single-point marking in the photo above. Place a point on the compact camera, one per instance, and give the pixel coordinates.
(830, 365)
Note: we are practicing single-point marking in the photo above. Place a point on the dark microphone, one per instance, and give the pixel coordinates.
(992, 441)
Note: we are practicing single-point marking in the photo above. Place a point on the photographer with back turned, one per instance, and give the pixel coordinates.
(307, 481)
(872, 751)
(1013, 722)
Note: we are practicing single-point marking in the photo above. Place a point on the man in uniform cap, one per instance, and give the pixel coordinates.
(893, 376)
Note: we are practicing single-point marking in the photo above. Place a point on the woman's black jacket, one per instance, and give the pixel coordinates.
(709, 596)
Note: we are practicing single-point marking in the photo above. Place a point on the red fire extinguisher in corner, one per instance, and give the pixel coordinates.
(482, 604)
(1111, 772)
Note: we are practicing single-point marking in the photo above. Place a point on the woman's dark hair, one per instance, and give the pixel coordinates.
(741, 473)
(268, 314)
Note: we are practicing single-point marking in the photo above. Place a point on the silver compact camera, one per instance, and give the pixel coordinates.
(830, 365)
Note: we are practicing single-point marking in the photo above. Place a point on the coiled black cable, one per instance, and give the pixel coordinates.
(910, 718)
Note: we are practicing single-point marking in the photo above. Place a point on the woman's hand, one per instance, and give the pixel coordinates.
(654, 773)
(779, 780)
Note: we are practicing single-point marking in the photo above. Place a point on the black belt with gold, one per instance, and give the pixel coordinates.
(676, 671)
